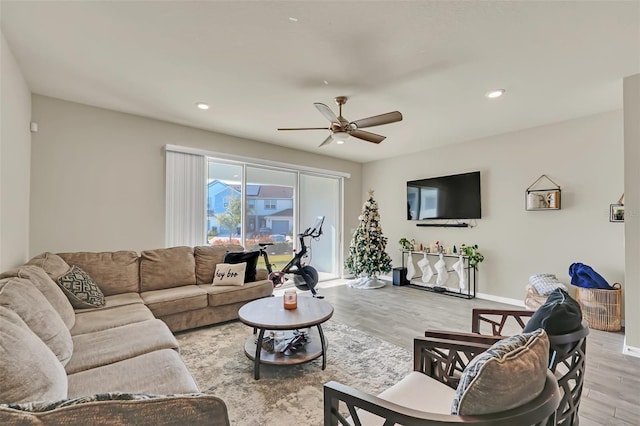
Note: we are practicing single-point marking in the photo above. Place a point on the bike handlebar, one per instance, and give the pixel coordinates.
(314, 231)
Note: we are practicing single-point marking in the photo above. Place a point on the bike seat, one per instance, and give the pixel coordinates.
(263, 245)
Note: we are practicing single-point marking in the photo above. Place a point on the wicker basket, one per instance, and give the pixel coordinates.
(602, 309)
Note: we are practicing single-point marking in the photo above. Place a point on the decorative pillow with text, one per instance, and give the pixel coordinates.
(229, 274)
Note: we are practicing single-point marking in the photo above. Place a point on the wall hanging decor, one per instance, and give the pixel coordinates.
(545, 198)
(616, 211)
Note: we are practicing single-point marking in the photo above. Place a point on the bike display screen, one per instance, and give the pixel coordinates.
(317, 225)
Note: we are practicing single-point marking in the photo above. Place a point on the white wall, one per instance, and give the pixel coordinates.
(98, 176)
(15, 151)
(584, 156)
(632, 211)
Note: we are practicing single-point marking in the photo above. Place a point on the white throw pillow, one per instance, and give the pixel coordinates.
(229, 274)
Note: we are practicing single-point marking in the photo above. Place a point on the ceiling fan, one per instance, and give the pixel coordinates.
(341, 128)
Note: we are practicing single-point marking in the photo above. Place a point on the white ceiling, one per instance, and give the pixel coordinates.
(259, 70)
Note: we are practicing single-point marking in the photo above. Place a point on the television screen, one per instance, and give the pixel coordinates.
(445, 197)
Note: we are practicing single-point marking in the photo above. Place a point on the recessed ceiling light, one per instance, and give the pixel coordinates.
(495, 93)
(292, 19)
(326, 82)
(202, 105)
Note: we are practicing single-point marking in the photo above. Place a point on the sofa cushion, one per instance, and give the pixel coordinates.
(115, 272)
(102, 319)
(560, 314)
(157, 372)
(510, 373)
(81, 289)
(52, 264)
(118, 343)
(175, 300)
(51, 291)
(207, 257)
(29, 370)
(251, 259)
(118, 300)
(121, 409)
(29, 303)
(167, 268)
(225, 295)
(229, 274)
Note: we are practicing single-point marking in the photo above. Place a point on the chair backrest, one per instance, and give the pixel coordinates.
(566, 359)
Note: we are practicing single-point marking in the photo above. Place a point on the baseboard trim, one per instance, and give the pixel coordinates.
(484, 296)
(630, 350)
(499, 299)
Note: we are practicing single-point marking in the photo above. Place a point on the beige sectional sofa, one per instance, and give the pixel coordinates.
(126, 349)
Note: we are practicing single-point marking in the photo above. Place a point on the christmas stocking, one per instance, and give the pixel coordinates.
(441, 269)
(411, 268)
(462, 272)
(425, 267)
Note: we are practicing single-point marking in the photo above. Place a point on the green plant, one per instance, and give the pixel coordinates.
(473, 254)
(406, 244)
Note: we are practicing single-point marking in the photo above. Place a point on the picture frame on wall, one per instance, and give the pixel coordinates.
(616, 213)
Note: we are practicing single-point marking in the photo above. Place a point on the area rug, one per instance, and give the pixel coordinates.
(287, 395)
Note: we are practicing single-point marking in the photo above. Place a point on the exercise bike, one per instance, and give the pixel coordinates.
(305, 277)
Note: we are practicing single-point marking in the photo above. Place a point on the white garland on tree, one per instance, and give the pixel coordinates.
(367, 256)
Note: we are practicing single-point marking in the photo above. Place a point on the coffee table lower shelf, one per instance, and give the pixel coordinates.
(311, 351)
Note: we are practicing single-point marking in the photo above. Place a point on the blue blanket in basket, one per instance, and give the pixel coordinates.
(584, 276)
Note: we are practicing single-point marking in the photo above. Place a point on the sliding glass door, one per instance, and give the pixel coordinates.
(269, 212)
(224, 203)
(249, 204)
(321, 196)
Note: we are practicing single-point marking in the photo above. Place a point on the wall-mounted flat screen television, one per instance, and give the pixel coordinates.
(444, 197)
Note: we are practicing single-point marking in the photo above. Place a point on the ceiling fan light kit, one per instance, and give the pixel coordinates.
(341, 129)
(340, 136)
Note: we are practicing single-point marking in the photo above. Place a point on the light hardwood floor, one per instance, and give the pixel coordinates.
(398, 314)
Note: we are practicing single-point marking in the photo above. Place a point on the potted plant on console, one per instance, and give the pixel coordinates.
(473, 254)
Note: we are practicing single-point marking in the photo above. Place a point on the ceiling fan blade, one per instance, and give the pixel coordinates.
(304, 128)
(326, 111)
(367, 136)
(327, 141)
(378, 120)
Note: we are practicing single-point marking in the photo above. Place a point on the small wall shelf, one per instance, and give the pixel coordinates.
(468, 293)
(445, 225)
(542, 199)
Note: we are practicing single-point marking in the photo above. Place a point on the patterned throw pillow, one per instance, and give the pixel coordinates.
(229, 274)
(81, 289)
(120, 408)
(44, 406)
(510, 373)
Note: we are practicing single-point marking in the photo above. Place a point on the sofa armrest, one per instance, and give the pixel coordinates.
(119, 409)
(261, 274)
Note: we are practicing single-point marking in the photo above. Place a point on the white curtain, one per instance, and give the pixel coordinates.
(186, 194)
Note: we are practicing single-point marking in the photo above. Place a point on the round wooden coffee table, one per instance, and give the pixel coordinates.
(269, 314)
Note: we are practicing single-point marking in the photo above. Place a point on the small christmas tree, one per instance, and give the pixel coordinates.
(366, 251)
